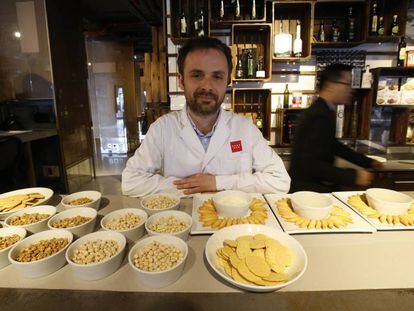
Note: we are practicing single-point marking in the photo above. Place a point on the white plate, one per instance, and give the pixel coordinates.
(295, 271)
(48, 193)
(377, 158)
(359, 224)
(199, 199)
(344, 195)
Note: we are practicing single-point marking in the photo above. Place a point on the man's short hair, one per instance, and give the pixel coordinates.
(332, 73)
(203, 43)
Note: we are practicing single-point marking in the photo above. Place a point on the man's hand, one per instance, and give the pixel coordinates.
(363, 178)
(197, 183)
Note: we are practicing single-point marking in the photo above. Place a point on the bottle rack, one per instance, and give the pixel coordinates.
(387, 9)
(301, 11)
(256, 37)
(254, 103)
(229, 12)
(192, 10)
(328, 12)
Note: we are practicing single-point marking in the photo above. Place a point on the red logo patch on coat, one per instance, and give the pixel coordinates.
(236, 146)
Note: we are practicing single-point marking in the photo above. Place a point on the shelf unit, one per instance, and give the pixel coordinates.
(256, 37)
(254, 103)
(229, 12)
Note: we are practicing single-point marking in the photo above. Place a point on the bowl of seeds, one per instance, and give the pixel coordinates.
(79, 221)
(127, 221)
(155, 203)
(33, 220)
(174, 223)
(8, 238)
(82, 199)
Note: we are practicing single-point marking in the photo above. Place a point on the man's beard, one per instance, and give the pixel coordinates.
(205, 109)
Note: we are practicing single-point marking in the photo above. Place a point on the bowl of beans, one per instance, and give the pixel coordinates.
(8, 238)
(96, 255)
(174, 223)
(82, 199)
(41, 253)
(158, 260)
(33, 220)
(79, 221)
(155, 203)
(127, 221)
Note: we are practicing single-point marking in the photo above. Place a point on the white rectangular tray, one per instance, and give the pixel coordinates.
(344, 195)
(199, 199)
(358, 225)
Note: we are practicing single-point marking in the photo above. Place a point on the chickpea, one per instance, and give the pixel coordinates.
(156, 257)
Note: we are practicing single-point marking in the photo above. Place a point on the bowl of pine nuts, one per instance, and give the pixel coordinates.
(82, 199)
(174, 223)
(96, 255)
(79, 221)
(127, 221)
(41, 253)
(155, 203)
(33, 220)
(158, 260)
(9, 237)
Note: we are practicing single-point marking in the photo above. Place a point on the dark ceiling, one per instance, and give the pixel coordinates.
(122, 20)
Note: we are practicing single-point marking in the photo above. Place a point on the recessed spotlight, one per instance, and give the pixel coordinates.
(17, 34)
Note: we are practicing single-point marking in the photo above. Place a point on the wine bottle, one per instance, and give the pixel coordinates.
(254, 10)
(201, 24)
(183, 25)
(221, 16)
(286, 97)
(401, 52)
(374, 20)
(250, 64)
(239, 67)
(354, 121)
(237, 10)
(395, 28)
(283, 42)
(335, 31)
(350, 25)
(381, 29)
(321, 34)
(297, 43)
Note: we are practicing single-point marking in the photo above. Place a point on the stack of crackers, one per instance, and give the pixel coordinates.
(255, 260)
(19, 201)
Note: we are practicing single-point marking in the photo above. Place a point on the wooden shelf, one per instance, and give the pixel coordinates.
(229, 12)
(336, 44)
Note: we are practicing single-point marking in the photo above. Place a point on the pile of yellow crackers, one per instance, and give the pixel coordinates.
(19, 201)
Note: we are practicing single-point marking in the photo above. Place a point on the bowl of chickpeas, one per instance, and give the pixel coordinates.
(127, 221)
(158, 260)
(8, 238)
(34, 220)
(79, 221)
(41, 253)
(82, 199)
(155, 203)
(96, 255)
(174, 223)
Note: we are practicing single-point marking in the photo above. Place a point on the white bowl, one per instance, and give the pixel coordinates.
(183, 234)
(4, 260)
(151, 211)
(295, 271)
(311, 205)
(101, 269)
(95, 196)
(37, 226)
(45, 266)
(162, 278)
(389, 202)
(46, 192)
(81, 229)
(131, 234)
(232, 203)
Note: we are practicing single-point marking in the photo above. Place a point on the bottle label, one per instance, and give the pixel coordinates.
(183, 26)
(402, 54)
(374, 24)
(381, 31)
(250, 67)
(395, 30)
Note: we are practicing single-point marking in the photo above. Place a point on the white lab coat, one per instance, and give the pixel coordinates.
(172, 150)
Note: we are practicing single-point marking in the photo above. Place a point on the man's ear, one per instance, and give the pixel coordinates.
(181, 81)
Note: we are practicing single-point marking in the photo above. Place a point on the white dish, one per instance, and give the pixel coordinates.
(358, 225)
(4, 260)
(183, 234)
(37, 226)
(45, 266)
(388, 202)
(95, 196)
(377, 158)
(101, 269)
(46, 192)
(232, 203)
(161, 278)
(295, 271)
(378, 225)
(152, 211)
(311, 205)
(81, 229)
(131, 234)
(199, 199)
